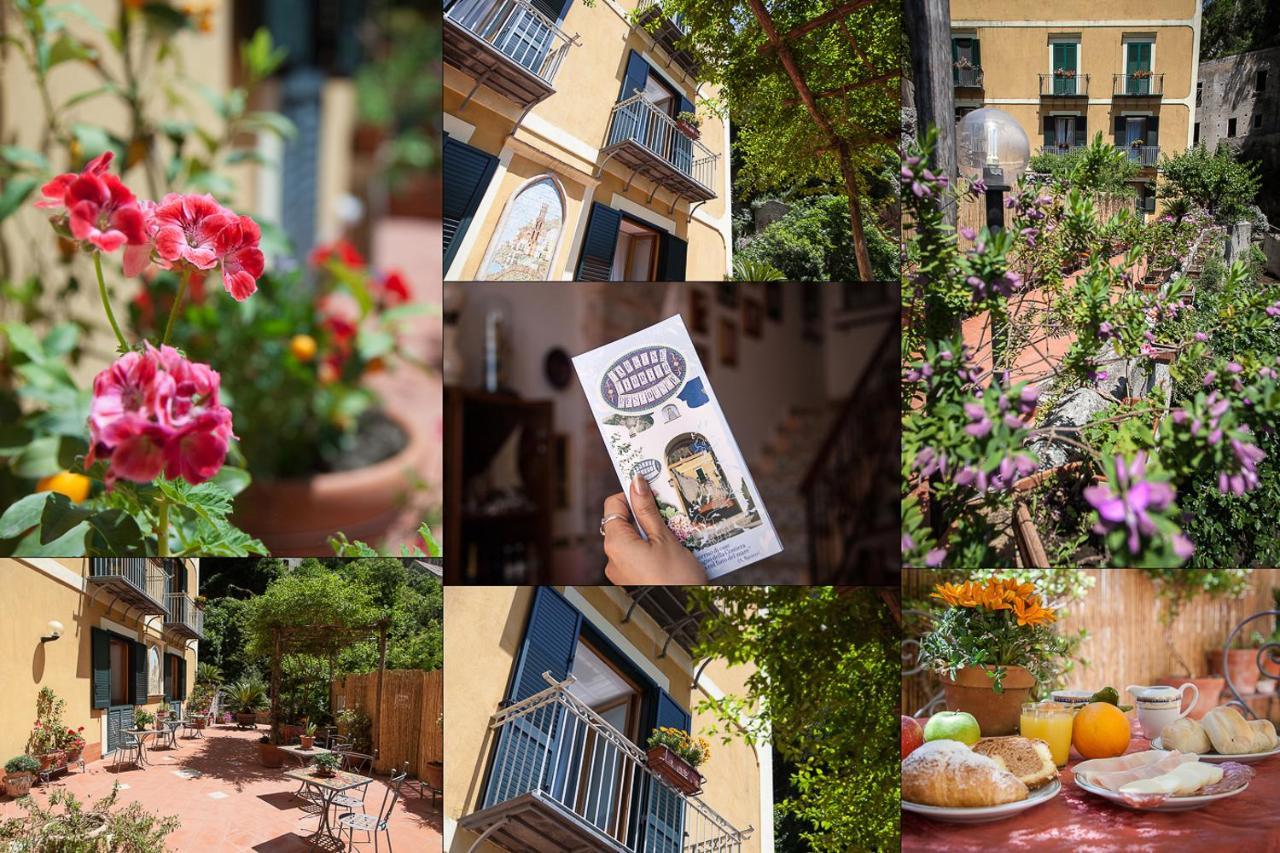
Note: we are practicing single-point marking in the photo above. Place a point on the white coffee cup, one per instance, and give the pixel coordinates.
(1158, 706)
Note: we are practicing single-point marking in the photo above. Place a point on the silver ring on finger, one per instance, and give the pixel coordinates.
(608, 518)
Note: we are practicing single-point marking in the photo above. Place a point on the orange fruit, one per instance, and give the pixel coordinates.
(303, 347)
(1100, 730)
(74, 486)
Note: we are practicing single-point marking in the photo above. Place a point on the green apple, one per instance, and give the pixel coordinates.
(953, 725)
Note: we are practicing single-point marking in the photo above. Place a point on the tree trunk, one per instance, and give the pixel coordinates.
(377, 706)
(928, 24)
(855, 215)
(275, 689)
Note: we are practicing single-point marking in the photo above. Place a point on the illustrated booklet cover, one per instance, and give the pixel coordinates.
(660, 418)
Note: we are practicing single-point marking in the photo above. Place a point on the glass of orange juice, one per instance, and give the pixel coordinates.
(1051, 722)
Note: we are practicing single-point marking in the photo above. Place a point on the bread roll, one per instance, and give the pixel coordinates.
(1264, 735)
(1185, 735)
(1027, 758)
(1231, 734)
(948, 773)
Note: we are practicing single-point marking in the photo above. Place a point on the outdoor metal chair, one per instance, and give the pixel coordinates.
(129, 751)
(356, 762)
(170, 734)
(373, 824)
(426, 790)
(189, 725)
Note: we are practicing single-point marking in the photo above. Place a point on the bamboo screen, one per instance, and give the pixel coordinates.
(411, 725)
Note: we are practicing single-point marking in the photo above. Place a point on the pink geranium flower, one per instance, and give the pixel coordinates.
(98, 208)
(242, 260)
(187, 229)
(154, 412)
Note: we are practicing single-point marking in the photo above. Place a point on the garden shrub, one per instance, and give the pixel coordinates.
(812, 242)
(1217, 182)
(1099, 167)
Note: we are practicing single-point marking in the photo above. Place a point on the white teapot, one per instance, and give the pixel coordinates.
(1160, 705)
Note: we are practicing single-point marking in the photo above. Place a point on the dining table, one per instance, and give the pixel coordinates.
(142, 735)
(1078, 820)
(326, 788)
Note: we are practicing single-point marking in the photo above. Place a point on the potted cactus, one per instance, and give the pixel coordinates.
(19, 774)
(308, 737)
(674, 755)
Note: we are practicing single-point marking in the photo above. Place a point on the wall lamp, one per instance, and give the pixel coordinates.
(55, 631)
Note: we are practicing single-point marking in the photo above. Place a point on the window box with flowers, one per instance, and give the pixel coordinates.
(675, 755)
(690, 125)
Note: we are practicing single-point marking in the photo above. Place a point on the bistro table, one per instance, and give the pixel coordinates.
(1078, 820)
(327, 787)
(142, 735)
(304, 757)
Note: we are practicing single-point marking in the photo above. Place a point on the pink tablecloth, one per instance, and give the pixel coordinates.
(1075, 820)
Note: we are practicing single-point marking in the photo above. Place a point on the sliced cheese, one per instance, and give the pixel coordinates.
(1185, 779)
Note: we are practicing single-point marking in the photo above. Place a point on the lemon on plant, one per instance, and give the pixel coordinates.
(74, 486)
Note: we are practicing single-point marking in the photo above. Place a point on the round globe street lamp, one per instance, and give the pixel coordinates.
(992, 147)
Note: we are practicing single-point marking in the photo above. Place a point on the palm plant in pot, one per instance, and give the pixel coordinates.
(308, 737)
(19, 774)
(993, 645)
(1175, 589)
(247, 696)
(675, 755)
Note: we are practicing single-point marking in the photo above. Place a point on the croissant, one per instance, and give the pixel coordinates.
(1231, 734)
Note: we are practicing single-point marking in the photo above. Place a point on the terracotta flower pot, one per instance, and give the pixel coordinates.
(972, 691)
(73, 754)
(270, 755)
(1242, 667)
(1210, 691)
(18, 784)
(679, 773)
(246, 720)
(298, 516)
(46, 760)
(306, 742)
(1272, 668)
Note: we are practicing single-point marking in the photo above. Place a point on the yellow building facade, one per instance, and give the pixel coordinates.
(1122, 68)
(571, 152)
(569, 762)
(107, 635)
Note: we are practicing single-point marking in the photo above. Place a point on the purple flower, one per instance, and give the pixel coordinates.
(1201, 336)
(907, 543)
(1105, 331)
(968, 233)
(1129, 501)
(1232, 367)
(935, 557)
(978, 187)
(979, 425)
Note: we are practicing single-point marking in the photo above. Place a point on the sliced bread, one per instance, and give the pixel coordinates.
(1027, 758)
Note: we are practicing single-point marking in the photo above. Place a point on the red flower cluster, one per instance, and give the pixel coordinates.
(96, 207)
(154, 412)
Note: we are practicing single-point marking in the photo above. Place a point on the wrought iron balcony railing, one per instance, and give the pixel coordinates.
(650, 142)
(1056, 86)
(563, 778)
(1062, 147)
(184, 617)
(967, 78)
(141, 582)
(668, 32)
(1144, 84)
(1143, 155)
(508, 44)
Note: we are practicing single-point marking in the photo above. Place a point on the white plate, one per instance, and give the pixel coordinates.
(1173, 804)
(985, 814)
(1215, 758)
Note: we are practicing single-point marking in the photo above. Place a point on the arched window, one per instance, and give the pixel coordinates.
(525, 243)
(704, 492)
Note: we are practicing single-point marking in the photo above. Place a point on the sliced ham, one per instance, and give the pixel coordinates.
(1234, 776)
(1113, 779)
(1122, 762)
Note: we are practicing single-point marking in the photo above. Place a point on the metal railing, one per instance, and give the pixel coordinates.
(183, 611)
(554, 745)
(967, 77)
(675, 18)
(1141, 85)
(1143, 155)
(518, 31)
(1051, 85)
(1062, 147)
(638, 120)
(146, 575)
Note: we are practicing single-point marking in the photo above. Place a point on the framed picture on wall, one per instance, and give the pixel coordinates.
(699, 312)
(728, 343)
(773, 300)
(727, 294)
(752, 318)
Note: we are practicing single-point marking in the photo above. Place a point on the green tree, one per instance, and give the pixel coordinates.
(824, 694)
(1229, 27)
(811, 242)
(1099, 167)
(1218, 182)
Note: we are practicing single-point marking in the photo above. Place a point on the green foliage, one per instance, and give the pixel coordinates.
(355, 724)
(812, 242)
(1237, 26)
(328, 760)
(1217, 182)
(824, 692)
(1097, 168)
(399, 90)
(142, 719)
(694, 751)
(313, 610)
(1178, 587)
(21, 764)
(66, 826)
(47, 732)
(247, 695)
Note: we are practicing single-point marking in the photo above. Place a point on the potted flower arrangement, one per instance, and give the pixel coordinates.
(308, 737)
(326, 764)
(20, 774)
(675, 755)
(247, 696)
(963, 63)
(45, 740)
(72, 743)
(1141, 74)
(1064, 73)
(992, 646)
(689, 124)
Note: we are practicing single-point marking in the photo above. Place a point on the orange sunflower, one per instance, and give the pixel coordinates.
(997, 594)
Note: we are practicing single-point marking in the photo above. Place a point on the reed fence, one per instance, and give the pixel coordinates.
(410, 721)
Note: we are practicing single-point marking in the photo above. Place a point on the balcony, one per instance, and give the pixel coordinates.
(139, 582)
(649, 141)
(564, 779)
(1054, 86)
(667, 32)
(507, 45)
(184, 618)
(1062, 148)
(967, 78)
(1144, 84)
(1143, 155)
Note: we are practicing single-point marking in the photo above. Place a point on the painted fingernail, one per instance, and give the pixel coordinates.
(639, 485)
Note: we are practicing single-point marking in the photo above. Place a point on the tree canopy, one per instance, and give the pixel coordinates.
(1219, 182)
(1229, 27)
(825, 695)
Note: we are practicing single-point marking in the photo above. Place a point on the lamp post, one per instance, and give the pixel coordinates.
(991, 146)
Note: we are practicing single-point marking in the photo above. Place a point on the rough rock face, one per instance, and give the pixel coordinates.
(1069, 414)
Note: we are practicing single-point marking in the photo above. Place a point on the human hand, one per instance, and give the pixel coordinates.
(633, 560)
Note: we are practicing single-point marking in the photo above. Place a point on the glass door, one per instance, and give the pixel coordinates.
(1066, 66)
(1135, 136)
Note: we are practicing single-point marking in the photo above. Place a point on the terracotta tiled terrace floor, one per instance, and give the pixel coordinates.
(227, 801)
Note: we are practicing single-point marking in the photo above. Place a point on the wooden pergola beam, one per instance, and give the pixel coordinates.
(822, 20)
(851, 87)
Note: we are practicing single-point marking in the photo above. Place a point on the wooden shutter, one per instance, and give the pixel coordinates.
(182, 679)
(599, 244)
(467, 172)
(1119, 130)
(666, 808)
(1050, 135)
(138, 664)
(1153, 130)
(550, 644)
(169, 693)
(100, 687)
(671, 259)
(977, 53)
(636, 77)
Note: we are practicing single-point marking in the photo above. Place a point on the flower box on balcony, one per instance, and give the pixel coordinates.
(1064, 73)
(675, 770)
(1140, 75)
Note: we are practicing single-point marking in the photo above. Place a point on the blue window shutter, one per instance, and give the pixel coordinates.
(665, 826)
(553, 9)
(550, 644)
(100, 641)
(1119, 130)
(636, 77)
(1082, 130)
(467, 172)
(673, 256)
(138, 662)
(599, 243)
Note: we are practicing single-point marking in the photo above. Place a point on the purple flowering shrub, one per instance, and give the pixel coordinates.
(1136, 514)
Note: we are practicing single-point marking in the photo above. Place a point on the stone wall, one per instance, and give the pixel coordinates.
(1228, 89)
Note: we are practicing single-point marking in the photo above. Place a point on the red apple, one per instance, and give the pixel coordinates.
(912, 735)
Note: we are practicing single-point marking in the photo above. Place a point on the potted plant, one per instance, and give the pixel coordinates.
(326, 764)
(308, 737)
(73, 744)
(1141, 74)
(675, 755)
(1242, 662)
(1271, 660)
(270, 755)
(1175, 588)
(19, 774)
(142, 718)
(689, 124)
(247, 696)
(46, 732)
(992, 646)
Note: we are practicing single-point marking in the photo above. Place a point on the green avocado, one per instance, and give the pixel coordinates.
(1106, 694)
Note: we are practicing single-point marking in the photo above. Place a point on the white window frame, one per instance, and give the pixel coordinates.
(1055, 40)
(1141, 38)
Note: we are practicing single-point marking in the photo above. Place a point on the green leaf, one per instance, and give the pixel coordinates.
(115, 532)
(67, 48)
(433, 546)
(93, 140)
(61, 340)
(16, 155)
(22, 515)
(15, 192)
(245, 155)
(23, 339)
(371, 343)
(71, 448)
(38, 459)
(88, 95)
(69, 544)
(274, 122)
(59, 516)
(234, 480)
